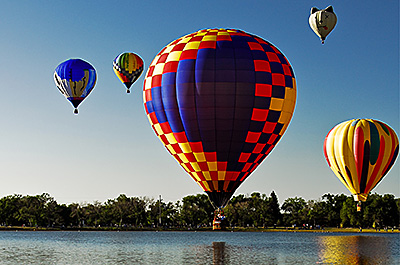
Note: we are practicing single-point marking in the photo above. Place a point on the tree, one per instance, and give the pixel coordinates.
(294, 209)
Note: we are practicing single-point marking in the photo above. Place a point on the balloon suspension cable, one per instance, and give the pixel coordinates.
(75, 111)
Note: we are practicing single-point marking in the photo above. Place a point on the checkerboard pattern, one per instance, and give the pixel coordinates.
(219, 100)
(128, 67)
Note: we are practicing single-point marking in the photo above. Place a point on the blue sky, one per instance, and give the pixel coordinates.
(110, 148)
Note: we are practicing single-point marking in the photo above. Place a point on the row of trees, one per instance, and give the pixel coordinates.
(255, 210)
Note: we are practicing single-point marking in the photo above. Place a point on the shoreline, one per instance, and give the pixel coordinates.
(205, 229)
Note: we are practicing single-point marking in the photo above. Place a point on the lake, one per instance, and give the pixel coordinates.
(66, 247)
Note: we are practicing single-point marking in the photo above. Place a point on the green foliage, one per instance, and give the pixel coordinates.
(195, 211)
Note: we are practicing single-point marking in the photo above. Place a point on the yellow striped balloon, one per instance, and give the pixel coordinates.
(361, 152)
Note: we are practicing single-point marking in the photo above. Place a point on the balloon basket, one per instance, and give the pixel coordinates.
(75, 111)
(358, 206)
(219, 218)
(128, 91)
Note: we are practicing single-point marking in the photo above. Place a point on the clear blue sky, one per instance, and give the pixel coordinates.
(110, 148)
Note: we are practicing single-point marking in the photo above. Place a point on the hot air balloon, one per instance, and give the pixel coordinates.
(128, 67)
(219, 100)
(322, 21)
(75, 78)
(361, 152)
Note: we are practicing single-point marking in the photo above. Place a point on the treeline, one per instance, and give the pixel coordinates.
(194, 211)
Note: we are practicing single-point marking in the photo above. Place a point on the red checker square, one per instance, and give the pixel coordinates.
(150, 71)
(230, 175)
(147, 95)
(259, 114)
(255, 46)
(188, 54)
(165, 127)
(244, 157)
(260, 156)
(178, 47)
(272, 57)
(275, 50)
(177, 148)
(260, 40)
(171, 66)
(255, 165)
(258, 149)
(253, 137)
(221, 166)
(224, 38)
(181, 137)
(203, 166)
(262, 66)
(146, 109)
(156, 80)
(164, 139)
(190, 157)
(211, 156)
(226, 184)
(177, 158)
(153, 118)
(172, 43)
(208, 44)
(247, 167)
(286, 69)
(269, 150)
(263, 90)
(162, 58)
(278, 79)
(189, 167)
(196, 147)
(201, 183)
(245, 176)
(214, 175)
(269, 127)
(196, 38)
(272, 139)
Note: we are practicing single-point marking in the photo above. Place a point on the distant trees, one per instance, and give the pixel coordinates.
(193, 211)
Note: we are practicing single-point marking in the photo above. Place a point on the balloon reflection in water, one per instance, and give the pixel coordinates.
(354, 250)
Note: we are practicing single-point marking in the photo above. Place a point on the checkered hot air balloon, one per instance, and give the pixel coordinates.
(361, 152)
(75, 79)
(219, 100)
(128, 67)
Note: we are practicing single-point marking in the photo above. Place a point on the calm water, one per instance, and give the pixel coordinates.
(197, 248)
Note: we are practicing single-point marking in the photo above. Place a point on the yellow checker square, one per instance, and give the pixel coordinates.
(185, 39)
(194, 45)
(221, 175)
(186, 168)
(173, 56)
(171, 138)
(200, 157)
(285, 117)
(195, 166)
(183, 158)
(207, 175)
(276, 104)
(195, 175)
(223, 33)
(168, 49)
(212, 166)
(205, 184)
(290, 93)
(185, 147)
(158, 69)
(170, 148)
(158, 129)
(209, 38)
(147, 84)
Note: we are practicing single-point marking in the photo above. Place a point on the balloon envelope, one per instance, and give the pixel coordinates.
(322, 21)
(128, 67)
(75, 78)
(219, 100)
(361, 152)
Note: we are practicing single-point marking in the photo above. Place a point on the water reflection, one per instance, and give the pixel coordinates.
(218, 253)
(354, 250)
